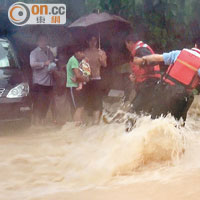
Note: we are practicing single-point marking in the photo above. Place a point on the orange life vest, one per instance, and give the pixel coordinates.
(143, 73)
(185, 69)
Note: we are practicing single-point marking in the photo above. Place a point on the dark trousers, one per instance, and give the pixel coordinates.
(174, 99)
(94, 97)
(41, 100)
(142, 103)
(162, 99)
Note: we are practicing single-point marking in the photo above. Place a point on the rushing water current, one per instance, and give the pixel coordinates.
(158, 160)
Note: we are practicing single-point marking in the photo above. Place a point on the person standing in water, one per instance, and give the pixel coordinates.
(174, 92)
(40, 58)
(74, 84)
(144, 76)
(97, 58)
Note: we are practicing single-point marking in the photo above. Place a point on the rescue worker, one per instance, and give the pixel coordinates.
(174, 92)
(143, 76)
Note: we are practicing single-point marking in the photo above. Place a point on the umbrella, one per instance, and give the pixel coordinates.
(103, 23)
(96, 18)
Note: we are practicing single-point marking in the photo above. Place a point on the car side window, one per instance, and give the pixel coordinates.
(7, 56)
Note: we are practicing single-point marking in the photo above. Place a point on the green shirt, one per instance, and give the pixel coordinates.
(72, 64)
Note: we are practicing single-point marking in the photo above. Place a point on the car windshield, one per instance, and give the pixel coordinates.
(7, 58)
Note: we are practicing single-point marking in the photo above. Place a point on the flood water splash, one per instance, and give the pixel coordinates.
(44, 161)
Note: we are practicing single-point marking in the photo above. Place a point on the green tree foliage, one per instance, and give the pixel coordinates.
(165, 24)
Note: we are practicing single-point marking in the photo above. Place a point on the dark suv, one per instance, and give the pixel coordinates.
(15, 98)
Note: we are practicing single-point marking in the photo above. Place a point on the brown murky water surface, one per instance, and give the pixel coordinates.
(157, 160)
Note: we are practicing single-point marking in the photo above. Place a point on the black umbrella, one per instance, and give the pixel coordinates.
(102, 23)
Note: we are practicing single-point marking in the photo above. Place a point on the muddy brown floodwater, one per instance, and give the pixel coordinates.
(158, 160)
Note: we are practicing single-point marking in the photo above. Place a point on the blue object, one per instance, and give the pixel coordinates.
(170, 58)
(199, 71)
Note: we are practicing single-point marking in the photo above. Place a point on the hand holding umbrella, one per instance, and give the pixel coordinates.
(102, 57)
(103, 23)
